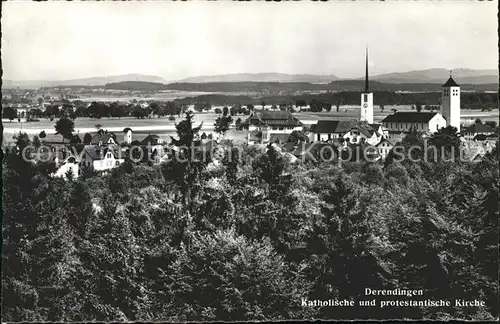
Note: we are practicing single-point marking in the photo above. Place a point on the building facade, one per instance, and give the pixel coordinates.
(450, 103)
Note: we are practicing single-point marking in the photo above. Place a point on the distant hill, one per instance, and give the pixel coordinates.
(290, 87)
(94, 81)
(462, 76)
(261, 77)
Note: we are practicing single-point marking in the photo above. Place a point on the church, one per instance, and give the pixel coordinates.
(400, 123)
(359, 131)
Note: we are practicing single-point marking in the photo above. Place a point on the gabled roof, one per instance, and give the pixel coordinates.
(479, 128)
(410, 117)
(333, 126)
(104, 138)
(365, 129)
(450, 83)
(383, 139)
(98, 153)
(126, 129)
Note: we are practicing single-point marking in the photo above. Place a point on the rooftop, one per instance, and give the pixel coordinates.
(450, 83)
(411, 117)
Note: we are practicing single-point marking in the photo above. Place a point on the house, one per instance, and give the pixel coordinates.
(353, 132)
(380, 129)
(384, 147)
(325, 130)
(401, 123)
(362, 133)
(280, 122)
(70, 164)
(471, 133)
(103, 138)
(153, 147)
(127, 135)
(100, 158)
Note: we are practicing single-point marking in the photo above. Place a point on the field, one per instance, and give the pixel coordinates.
(163, 127)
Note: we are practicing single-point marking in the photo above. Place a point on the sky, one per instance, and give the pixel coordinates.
(174, 40)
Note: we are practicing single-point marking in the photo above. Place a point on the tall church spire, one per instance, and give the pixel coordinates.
(366, 72)
(366, 99)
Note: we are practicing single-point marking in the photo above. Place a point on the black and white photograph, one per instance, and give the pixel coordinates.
(249, 161)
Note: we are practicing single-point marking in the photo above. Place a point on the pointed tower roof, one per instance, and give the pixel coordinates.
(450, 82)
(366, 72)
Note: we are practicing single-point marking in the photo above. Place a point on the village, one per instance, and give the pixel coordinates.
(104, 151)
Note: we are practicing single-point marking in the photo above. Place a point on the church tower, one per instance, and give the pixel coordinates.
(450, 103)
(366, 99)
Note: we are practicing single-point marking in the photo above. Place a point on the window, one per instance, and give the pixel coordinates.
(281, 128)
(117, 163)
(365, 97)
(108, 156)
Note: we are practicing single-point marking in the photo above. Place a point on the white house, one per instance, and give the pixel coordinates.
(270, 123)
(362, 133)
(325, 130)
(384, 147)
(127, 135)
(153, 146)
(353, 132)
(101, 158)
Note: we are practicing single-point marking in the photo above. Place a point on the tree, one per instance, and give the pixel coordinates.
(36, 142)
(447, 142)
(65, 127)
(75, 139)
(274, 107)
(225, 110)
(42, 135)
(262, 103)
(222, 124)
(250, 107)
(10, 113)
(139, 112)
(300, 103)
(382, 108)
(337, 105)
(21, 141)
(478, 121)
(87, 139)
(237, 123)
(297, 137)
(418, 106)
(270, 167)
(218, 111)
(491, 123)
(198, 106)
